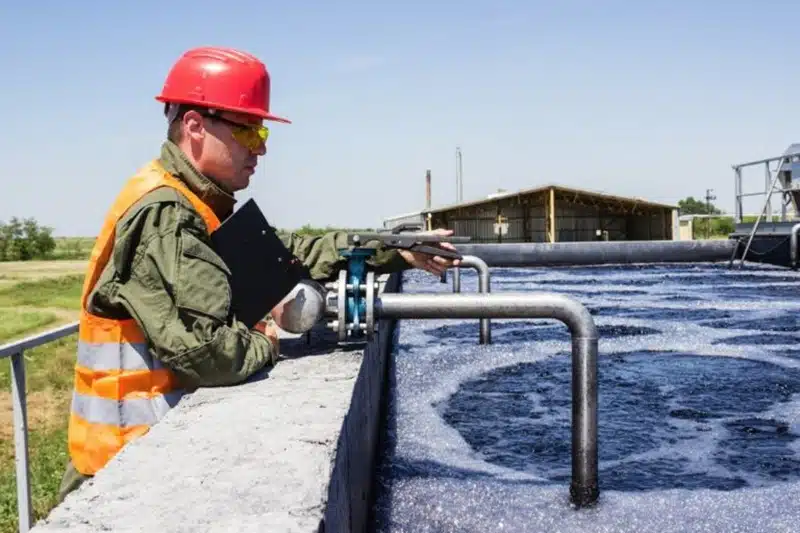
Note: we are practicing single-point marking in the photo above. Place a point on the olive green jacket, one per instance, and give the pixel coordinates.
(164, 273)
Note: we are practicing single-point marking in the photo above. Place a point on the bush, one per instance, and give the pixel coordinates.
(722, 226)
(23, 240)
(308, 229)
(713, 227)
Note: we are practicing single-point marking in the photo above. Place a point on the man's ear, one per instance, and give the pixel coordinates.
(193, 125)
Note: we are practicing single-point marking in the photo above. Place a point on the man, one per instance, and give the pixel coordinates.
(155, 309)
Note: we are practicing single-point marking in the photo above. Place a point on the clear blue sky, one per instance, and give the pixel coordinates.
(655, 99)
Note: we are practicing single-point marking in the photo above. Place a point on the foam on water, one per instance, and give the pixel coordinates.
(699, 407)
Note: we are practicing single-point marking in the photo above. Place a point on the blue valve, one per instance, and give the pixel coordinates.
(356, 305)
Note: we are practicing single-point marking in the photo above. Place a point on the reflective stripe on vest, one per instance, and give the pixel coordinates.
(120, 390)
(131, 412)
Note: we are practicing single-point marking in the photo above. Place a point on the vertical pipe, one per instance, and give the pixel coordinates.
(736, 194)
(483, 288)
(767, 185)
(793, 242)
(783, 206)
(428, 189)
(459, 177)
(21, 441)
(584, 489)
(546, 218)
(739, 208)
(456, 279)
(552, 214)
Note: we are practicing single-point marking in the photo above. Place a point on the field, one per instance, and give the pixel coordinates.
(72, 248)
(37, 296)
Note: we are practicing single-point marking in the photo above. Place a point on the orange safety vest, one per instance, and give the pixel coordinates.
(120, 390)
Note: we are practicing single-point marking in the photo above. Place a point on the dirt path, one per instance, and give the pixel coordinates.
(45, 410)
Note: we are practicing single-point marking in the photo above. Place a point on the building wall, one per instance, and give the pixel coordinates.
(686, 229)
(528, 220)
(654, 225)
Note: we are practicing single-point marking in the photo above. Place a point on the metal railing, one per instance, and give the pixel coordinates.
(15, 351)
(784, 162)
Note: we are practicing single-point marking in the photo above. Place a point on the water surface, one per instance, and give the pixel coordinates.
(699, 411)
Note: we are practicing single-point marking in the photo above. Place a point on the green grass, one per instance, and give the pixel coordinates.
(63, 292)
(49, 372)
(14, 324)
(49, 378)
(48, 458)
(72, 248)
(48, 368)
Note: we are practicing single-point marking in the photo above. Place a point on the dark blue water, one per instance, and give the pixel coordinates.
(699, 382)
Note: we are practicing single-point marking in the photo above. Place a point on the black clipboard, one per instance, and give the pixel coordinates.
(263, 270)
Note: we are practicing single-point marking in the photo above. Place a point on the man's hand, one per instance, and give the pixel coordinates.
(432, 263)
(269, 329)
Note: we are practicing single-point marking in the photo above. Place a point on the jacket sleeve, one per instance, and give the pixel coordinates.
(177, 288)
(320, 254)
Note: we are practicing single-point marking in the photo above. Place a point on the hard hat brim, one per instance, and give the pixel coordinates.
(275, 118)
(211, 105)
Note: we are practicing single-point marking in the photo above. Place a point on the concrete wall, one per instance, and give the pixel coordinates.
(291, 450)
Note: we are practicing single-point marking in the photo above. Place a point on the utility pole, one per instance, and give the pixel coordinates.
(459, 177)
(709, 197)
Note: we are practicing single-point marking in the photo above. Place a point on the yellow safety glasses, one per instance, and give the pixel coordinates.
(249, 136)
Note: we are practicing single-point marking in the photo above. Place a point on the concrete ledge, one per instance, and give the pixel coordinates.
(291, 450)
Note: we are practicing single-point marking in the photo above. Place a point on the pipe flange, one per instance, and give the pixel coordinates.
(341, 305)
(369, 320)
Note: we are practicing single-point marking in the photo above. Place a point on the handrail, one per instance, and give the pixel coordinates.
(15, 350)
(753, 231)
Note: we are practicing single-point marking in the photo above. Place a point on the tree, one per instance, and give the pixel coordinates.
(23, 240)
(691, 206)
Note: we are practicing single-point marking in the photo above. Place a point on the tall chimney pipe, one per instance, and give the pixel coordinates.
(428, 189)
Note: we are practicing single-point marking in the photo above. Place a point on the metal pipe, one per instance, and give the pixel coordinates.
(787, 157)
(21, 457)
(739, 204)
(781, 190)
(15, 351)
(793, 242)
(482, 268)
(760, 215)
(584, 489)
(598, 252)
(767, 183)
(33, 341)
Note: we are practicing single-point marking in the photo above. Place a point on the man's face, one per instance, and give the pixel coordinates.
(230, 149)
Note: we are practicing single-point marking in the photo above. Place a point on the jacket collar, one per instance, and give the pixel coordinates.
(176, 163)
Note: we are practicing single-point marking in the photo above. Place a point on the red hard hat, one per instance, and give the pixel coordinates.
(220, 78)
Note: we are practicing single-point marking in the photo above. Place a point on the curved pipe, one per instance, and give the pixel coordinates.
(793, 242)
(584, 488)
(598, 252)
(482, 268)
